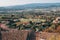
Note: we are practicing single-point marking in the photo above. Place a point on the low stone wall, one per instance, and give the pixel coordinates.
(29, 35)
(47, 36)
(14, 35)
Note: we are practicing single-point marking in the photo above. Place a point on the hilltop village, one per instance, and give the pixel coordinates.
(39, 20)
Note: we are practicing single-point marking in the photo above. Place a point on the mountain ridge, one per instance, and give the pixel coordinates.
(30, 6)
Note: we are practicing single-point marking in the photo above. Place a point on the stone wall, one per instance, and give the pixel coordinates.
(47, 36)
(14, 35)
(29, 35)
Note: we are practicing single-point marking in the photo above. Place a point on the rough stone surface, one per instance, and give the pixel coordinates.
(29, 35)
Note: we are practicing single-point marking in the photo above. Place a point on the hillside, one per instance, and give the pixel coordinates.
(30, 6)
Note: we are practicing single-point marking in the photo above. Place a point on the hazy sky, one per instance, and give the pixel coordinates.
(20, 2)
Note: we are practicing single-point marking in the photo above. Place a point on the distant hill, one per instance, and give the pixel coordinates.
(30, 6)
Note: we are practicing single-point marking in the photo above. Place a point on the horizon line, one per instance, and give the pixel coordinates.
(24, 4)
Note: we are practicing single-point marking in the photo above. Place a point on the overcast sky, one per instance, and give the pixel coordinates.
(21, 2)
